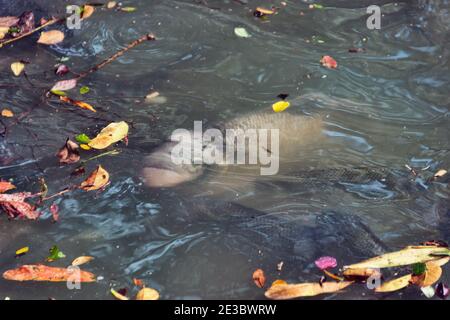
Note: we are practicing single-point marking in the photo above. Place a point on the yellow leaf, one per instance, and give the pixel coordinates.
(278, 282)
(265, 11)
(82, 260)
(51, 37)
(409, 255)
(290, 291)
(440, 173)
(280, 106)
(147, 294)
(7, 113)
(118, 295)
(111, 4)
(96, 180)
(17, 68)
(22, 251)
(85, 146)
(112, 133)
(442, 261)
(395, 284)
(432, 274)
(87, 11)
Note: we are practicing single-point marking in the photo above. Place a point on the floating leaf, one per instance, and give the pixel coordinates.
(128, 9)
(54, 209)
(328, 62)
(87, 11)
(15, 206)
(84, 89)
(51, 37)
(7, 22)
(118, 295)
(85, 146)
(96, 180)
(41, 272)
(325, 263)
(61, 70)
(81, 104)
(259, 278)
(290, 291)
(395, 284)
(17, 68)
(278, 282)
(241, 32)
(64, 85)
(261, 12)
(83, 138)
(69, 152)
(111, 4)
(22, 251)
(112, 133)
(316, 6)
(138, 282)
(7, 113)
(82, 260)
(55, 254)
(280, 106)
(419, 268)
(440, 173)
(407, 256)
(147, 294)
(58, 92)
(6, 186)
(428, 292)
(430, 275)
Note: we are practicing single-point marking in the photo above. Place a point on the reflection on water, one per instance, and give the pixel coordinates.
(383, 108)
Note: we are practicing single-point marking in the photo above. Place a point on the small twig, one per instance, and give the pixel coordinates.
(112, 152)
(50, 22)
(60, 193)
(131, 45)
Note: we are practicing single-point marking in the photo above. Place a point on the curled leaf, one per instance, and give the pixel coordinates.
(61, 70)
(87, 11)
(7, 113)
(55, 254)
(96, 180)
(259, 278)
(22, 251)
(15, 206)
(6, 186)
(442, 290)
(69, 152)
(51, 37)
(118, 295)
(328, 62)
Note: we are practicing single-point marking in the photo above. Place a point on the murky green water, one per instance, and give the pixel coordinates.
(386, 107)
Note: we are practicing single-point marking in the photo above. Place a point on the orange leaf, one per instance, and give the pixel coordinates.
(259, 278)
(290, 291)
(147, 294)
(328, 62)
(51, 37)
(5, 186)
(264, 10)
(7, 113)
(77, 103)
(82, 260)
(361, 273)
(138, 282)
(40, 272)
(87, 11)
(431, 276)
(395, 284)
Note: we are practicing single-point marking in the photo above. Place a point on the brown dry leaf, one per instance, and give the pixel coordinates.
(290, 291)
(5, 186)
(82, 260)
(259, 278)
(147, 294)
(87, 11)
(409, 255)
(51, 37)
(7, 22)
(361, 273)
(395, 284)
(77, 103)
(15, 206)
(96, 180)
(69, 152)
(112, 133)
(40, 272)
(7, 113)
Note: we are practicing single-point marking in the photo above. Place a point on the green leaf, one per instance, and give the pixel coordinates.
(128, 9)
(63, 59)
(318, 6)
(419, 268)
(83, 138)
(58, 92)
(14, 30)
(241, 32)
(55, 254)
(84, 90)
